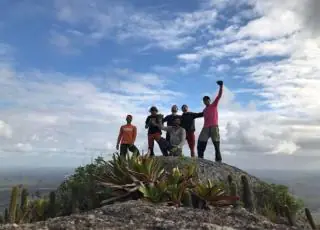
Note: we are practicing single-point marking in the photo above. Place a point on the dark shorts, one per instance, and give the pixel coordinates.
(125, 147)
(210, 132)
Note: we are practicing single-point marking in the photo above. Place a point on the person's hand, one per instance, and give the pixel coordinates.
(152, 122)
(220, 83)
(117, 147)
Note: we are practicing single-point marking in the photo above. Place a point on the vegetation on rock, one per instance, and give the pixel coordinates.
(142, 177)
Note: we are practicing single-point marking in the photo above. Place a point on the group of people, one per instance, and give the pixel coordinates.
(179, 129)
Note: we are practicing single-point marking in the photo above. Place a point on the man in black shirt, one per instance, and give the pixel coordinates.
(187, 122)
(170, 119)
(154, 132)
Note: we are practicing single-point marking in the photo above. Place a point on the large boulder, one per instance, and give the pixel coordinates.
(144, 215)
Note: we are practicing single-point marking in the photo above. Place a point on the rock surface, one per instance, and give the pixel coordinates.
(145, 215)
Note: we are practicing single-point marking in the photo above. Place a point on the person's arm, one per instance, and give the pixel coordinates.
(197, 115)
(216, 100)
(162, 127)
(119, 136)
(183, 138)
(134, 134)
(165, 119)
(147, 122)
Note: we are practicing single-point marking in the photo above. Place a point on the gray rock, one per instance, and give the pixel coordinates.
(144, 215)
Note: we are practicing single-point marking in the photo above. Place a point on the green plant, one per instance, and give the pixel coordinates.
(214, 193)
(13, 204)
(90, 192)
(175, 188)
(1, 219)
(247, 194)
(269, 212)
(288, 215)
(125, 176)
(178, 184)
(310, 218)
(39, 208)
(145, 175)
(154, 193)
(24, 200)
(234, 192)
(6, 215)
(230, 180)
(277, 196)
(52, 204)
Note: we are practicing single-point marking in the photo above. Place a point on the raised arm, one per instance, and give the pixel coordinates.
(216, 100)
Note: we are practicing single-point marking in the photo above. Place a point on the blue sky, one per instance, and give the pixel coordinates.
(71, 71)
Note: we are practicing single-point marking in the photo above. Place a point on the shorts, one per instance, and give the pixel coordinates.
(209, 132)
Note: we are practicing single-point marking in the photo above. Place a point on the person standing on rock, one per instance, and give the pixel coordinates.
(127, 137)
(187, 122)
(170, 119)
(210, 128)
(177, 138)
(154, 132)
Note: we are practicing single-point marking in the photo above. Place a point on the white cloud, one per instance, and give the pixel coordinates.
(126, 23)
(5, 130)
(266, 45)
(76, 116)
(23, 147)
(63, 43)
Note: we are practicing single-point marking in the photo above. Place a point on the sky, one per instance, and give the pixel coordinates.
(71, 70)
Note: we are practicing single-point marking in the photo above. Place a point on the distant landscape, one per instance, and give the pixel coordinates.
(303, 184)
(43, 180)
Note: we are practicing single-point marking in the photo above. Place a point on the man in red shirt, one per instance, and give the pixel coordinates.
(210, 128)
(127, 137)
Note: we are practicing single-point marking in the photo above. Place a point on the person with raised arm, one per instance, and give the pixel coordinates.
(188, 123)
(154, 132)
(170, 119)
(210, 127)
(127, 137)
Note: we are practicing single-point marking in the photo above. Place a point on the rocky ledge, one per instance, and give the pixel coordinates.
(144, 215)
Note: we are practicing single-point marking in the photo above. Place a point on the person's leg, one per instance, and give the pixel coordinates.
(134, 149)
(202, 142)
(191, 142)
(123, 150)
(151, 144)
(168, 136)
(163, 144)
(215, 137)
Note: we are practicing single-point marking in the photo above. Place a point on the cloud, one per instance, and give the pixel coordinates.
(5, 130)
(126, 23)
(264, 50)
(75, 116)
(63, 43)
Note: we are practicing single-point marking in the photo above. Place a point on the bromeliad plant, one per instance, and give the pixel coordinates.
(214, 194)
(126, 175)
(144, 177)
